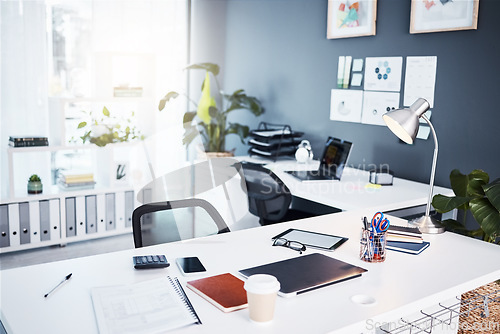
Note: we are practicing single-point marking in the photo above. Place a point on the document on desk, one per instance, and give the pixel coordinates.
(153, 306)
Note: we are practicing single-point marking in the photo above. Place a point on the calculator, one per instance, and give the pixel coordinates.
(150, 261)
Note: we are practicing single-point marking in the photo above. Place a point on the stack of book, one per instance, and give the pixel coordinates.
(406, 239)
(28, 141)
(75, 180)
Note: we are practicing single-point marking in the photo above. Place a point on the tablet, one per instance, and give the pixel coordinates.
(313, 239)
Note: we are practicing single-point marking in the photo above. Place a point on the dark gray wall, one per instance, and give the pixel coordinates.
(277, 50)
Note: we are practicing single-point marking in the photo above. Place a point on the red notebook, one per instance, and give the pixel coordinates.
(225, 291)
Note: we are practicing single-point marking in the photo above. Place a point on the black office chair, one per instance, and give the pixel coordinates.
(162, 222)
(270, 199)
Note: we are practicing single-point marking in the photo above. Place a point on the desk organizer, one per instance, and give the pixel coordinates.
(483, 308)
(373, 246)
(273, 140)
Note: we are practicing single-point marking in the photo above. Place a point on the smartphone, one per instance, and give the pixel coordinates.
(190, 265)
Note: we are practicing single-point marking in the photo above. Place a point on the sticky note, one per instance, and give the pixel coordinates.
(356, 79)
(357, 65)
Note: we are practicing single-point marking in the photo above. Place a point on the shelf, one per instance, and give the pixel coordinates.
(57, 148)
(54, 191)
(102, 99)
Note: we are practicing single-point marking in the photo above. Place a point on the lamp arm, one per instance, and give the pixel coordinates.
(434, 162)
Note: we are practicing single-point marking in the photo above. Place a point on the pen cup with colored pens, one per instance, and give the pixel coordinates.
(372, 246)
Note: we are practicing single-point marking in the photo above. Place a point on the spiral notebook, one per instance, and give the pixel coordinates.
(151, 306)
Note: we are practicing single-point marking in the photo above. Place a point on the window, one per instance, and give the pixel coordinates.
(59, 57)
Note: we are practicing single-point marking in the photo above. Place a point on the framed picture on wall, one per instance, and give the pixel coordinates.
(351, 18)
(443, 15)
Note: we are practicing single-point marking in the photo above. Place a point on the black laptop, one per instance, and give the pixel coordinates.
(332, 162)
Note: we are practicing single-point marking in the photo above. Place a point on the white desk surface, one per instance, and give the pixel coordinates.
(352, 192)
(401, 285)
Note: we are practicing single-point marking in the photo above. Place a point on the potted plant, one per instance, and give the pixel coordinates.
(35, 185)
(107, 129)
(210, 117)
(474, 192)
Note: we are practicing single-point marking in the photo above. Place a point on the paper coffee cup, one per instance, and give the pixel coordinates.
(261, 290)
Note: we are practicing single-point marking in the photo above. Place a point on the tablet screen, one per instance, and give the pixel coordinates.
(313, 239)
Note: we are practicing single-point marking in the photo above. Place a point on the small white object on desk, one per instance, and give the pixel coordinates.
(304, 153)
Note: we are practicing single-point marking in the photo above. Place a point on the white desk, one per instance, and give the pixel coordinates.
(401, 285)
(351, 192)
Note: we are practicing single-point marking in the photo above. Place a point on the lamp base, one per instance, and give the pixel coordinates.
(427, 224)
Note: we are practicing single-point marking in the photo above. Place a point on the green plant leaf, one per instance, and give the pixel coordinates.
(241, 130)
(492, 192)
(210, 67)
(166, 98)
(188, 118)
(105, 111)
(206, 101)
(477, 179)
(213, 111)
(189, 135)
(486, 215)
(82, 125)
(34, 178)
(239, 100)
(455, 226)
(444, 204)
(459, 183)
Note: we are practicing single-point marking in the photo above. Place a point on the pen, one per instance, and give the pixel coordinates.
(365, 222)
(58, 285)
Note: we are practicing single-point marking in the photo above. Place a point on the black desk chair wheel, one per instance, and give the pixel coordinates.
(270, 199)
(161, 222)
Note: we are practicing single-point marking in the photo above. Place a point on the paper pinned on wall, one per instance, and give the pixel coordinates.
(420, 79)
(347, 71)
(427, 114)
(375, 104)
(423, 132)
(346, 105)
(340, 72)
(383, 73)
(357, 65)
(356, 79)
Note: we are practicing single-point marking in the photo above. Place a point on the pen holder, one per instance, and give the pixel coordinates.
(372, 246)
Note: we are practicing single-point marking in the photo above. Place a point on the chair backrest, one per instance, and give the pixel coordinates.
(268, 197)
(161, 222)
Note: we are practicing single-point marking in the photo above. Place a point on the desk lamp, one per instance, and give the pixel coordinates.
(404, 123)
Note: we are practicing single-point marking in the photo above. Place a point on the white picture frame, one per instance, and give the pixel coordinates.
(341, 24)
(447, 15)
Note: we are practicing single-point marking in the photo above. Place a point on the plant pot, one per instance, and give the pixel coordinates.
(211, 155)
(35, 187)
(201, 154)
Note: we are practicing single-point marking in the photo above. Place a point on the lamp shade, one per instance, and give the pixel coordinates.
(404, 122)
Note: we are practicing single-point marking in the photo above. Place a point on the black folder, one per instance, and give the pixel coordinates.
(305, 273)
